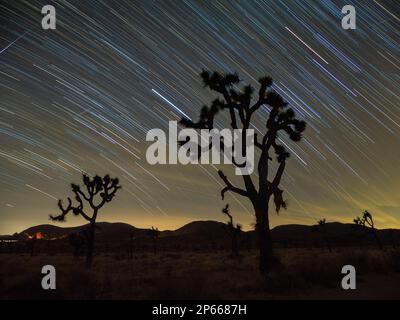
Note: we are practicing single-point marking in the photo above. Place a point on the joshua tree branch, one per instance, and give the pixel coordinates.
(80, 208)
(279, 173)
(264, 84)
(78, 192)
(85, 216)
(226, 212)
(248, 182)
(107, 196)
(231, 108)
(64, 211)
(257, 143)
(263, 171)
(257, 105)
(231, 187)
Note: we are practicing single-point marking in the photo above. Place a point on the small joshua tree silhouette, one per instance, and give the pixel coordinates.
(99, 191)
(322, 228)
(367, 221)
(154, 234)
(234, 231)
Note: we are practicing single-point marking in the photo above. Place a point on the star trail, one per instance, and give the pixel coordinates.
(81, 98)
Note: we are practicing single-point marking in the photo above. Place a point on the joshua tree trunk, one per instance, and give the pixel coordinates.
(91, 236)
(264, 239)
(242, 106)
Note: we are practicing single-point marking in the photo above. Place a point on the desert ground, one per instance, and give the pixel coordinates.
(303, 274)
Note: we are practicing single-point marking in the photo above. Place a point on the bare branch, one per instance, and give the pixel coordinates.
(264, 84)
(110, 187)
(278, 199)
(64, 211)
(279, 173)
(231, 108)
(257, 143)
(226, 212)
(231, 187)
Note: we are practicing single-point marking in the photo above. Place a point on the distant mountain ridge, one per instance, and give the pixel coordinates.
(115, 228)
(213, 233)
(54, 229)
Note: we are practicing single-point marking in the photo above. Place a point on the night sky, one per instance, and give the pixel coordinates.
(83, 96)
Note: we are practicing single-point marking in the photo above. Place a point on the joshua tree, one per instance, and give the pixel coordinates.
(234, 231)
(99, 191)
(154, 233)
(322, 228)
(367, 221)
(241, 109)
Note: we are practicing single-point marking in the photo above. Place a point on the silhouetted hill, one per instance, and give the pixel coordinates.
(297, 231)
(197, 235)
(103, 229)
(339, 234)
(206, 228)
(203, 235)
(50, 230)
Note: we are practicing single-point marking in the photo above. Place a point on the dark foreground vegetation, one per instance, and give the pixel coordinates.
(304, 273)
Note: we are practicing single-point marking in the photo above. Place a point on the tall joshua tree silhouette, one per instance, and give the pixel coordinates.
(99, 191)
(234, 231)
(242, 107)
(368, 221)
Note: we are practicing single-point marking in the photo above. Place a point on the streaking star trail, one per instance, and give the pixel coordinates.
(82, 97)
